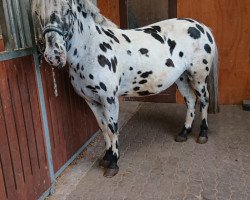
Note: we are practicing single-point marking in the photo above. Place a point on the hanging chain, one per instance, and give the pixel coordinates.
(54, 82)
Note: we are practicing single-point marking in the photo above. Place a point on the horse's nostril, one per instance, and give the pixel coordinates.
(50, 58)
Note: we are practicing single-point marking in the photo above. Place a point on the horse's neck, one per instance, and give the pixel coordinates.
(85, 34)
(82, 34)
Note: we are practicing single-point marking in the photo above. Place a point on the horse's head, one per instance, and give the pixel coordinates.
(55, 51)
(56, 24)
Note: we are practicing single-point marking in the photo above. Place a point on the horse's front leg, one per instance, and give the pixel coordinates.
(98, 110)
(111, 111)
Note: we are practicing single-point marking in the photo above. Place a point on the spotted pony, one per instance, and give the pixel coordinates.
(106, 62)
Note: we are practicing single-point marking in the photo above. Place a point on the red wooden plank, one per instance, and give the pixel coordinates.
(1, 44)
(84, 132)
(69, 119)
(38, 134)
(60, 115)
(33, 123)
(2, 182)
(73, 136)
(67, 116)
(34, 102)
(5, 147)
(77, 124)
(20, 124)
(23, 163)
(48, 84)
(25, 170)
(68, 89)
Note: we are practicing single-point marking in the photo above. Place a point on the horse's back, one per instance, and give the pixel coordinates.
(165, 50)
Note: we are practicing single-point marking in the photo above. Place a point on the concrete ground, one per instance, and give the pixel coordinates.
(71, 177)
(154, 166)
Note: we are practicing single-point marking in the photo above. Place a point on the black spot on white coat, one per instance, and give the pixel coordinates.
(205, 61)
(84, 14)
(111, 128)
(157, 28)
(82, 76)
(75, 52)
(136, 88)
(209, 38)
(126, 38)
(171, 44)
(158, 37)
(103, 86)
(207, 48)
(181, 54)
(186, 19)
(114, 64)
(194, 33)
(111, 100)
(81, 27)
(144, 51)
(143, 81)
(105, 46)
(98, 29)
(170, 63)
(103, 61)
(146, 74)
(144, 93)
(110, 34)
(200, 28)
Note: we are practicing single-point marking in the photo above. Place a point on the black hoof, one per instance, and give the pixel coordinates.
(109, 173)
(202, 140)
(180, 138)
(104, 163)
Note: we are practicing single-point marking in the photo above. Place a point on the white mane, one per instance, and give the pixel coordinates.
(99, 18)
(41, 7)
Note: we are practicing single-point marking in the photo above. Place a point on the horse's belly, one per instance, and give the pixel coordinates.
(150, 84)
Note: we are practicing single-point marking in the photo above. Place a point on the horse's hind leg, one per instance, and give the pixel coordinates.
(199, 83)
(190, 98)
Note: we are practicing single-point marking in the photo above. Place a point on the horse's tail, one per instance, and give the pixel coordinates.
(213, 86)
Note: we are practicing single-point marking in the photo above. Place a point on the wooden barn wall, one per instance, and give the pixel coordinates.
(23, 163)
(229, 20)
(146, 12)
(110, 9)
(71, 122)
(1, 44)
